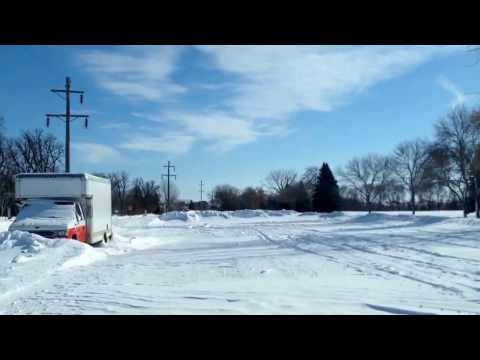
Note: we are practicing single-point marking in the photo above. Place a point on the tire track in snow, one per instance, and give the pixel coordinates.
(361, 266)
(289, 245)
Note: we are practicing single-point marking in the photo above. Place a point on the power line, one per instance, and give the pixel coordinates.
(68, 117)
(201, 190)
(168, 176)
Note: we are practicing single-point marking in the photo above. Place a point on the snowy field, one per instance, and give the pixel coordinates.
(251, 262)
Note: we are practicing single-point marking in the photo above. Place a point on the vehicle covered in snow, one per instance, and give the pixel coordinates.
(72, 206)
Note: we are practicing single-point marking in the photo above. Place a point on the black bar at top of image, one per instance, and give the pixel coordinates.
(295, 34)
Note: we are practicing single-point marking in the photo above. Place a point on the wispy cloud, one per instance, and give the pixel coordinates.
(459, 97)
(212, 86)
(224, 131)
(116, 125)
(221, 131)
(170, 143)
(276, 81)
(265, 87)
(95, 153)
(142, 73)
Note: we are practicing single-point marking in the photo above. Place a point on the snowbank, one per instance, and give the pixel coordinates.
(323, 215)
(244, 214)
(29, 243)
(25, 246)
(214, 213)
(398, 218)
(5, 223)
(27, 259)
(180, 215)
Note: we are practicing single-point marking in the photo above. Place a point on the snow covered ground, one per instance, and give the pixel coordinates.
(251, 262)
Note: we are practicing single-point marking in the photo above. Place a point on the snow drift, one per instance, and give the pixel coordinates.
(26, 259)
(196, 215)
(180, 215)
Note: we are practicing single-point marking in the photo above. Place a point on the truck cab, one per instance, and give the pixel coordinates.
(52, 218)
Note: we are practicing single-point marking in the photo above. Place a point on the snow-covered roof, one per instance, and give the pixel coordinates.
(60, 175)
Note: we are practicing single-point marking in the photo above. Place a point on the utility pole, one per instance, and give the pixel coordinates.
(168, 176)
(201, 190)
(67, 117)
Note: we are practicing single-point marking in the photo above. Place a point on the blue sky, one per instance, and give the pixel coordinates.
(230, 114)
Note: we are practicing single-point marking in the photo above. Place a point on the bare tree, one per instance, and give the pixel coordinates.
(251, 198)
(457, 141)
(394, 194)
(309, 178)
(410, 164)
(475, 119)
(123, 183)
(120, 183)
(5, 175)
(35, 152)
(145, 195)
(368, 176)
(279, 180)
(115, 184)
(226, 197)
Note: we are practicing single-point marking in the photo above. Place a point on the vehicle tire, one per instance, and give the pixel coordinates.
(101, 243)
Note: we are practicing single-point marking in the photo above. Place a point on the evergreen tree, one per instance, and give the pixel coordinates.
(326, 197)
(191, 206)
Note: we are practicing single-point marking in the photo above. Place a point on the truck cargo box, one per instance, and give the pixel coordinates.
(93, 192)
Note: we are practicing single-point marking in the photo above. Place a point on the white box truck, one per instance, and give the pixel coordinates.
(73, 206)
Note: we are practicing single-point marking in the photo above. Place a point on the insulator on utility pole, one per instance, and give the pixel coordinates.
(68, 118)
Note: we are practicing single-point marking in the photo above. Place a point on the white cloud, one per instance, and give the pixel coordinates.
(265, 87)
(95, 153)
(116, 126)
(135, 72)
(276, 81)
(459, 97)
(224, 131)
(171, 143)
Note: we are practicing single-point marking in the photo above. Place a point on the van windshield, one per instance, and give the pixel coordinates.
(46, 209)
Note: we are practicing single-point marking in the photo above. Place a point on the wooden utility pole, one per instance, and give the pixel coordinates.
(67, 117)
(168, 176)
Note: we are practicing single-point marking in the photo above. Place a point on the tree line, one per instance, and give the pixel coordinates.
(38, 152)
(315, 190)
(31, 151)
(438, 174)
(441, 174)
(139, 196)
